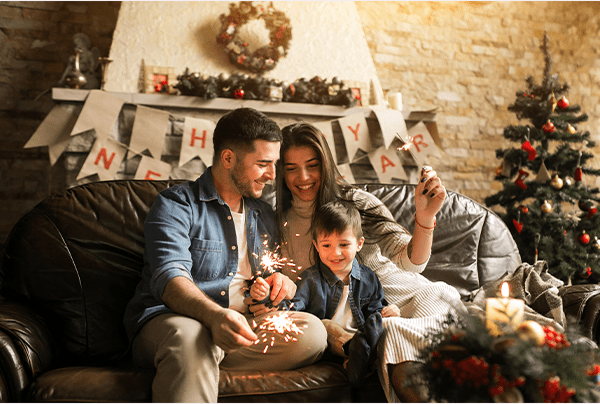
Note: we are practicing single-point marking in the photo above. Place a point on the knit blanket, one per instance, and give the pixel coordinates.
(535, 286)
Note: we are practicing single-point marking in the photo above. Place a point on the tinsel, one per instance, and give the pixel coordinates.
(465, 363)
(313, 91)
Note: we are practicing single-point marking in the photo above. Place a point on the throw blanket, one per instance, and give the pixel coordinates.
(535, 286)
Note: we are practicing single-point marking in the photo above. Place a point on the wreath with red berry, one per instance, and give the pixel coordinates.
(264, 58)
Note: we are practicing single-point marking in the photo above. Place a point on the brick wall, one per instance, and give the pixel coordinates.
(36, 40)
(467, 58)
(470, 58)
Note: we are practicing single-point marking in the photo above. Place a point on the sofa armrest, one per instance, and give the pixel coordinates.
(26, 347)
(581, 304)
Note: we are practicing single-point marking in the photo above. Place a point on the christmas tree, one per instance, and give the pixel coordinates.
(548, 205)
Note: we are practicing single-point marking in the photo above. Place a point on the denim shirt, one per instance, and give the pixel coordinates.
(190, 232)
(319, 292)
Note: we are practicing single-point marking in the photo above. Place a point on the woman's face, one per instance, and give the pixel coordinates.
(302, 172)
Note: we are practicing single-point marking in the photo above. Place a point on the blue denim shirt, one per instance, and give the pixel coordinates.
(189, 231)
(319, 292)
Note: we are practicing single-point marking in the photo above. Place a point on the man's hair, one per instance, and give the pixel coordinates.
(336, 217)
(238, 129)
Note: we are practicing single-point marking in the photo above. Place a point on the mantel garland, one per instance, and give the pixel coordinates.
(243, 86)
(262, 59)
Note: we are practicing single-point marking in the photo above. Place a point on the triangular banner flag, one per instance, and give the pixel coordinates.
(543, 175)
(387, 165)
(152, 169)
(325, 128)
(54, 131)
(422, 144)
(392, 124)
(197, 141)
(346, 173)
(100, 112)
(356, 134)
(104, 159)
(149, 129)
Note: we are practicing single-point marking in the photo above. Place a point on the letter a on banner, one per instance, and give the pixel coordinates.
(356, 134)
(197, 141)
(387, 164)
(152, 169)
(104, 159)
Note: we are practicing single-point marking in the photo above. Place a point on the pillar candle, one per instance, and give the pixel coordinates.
(395, 101)
(503, 310)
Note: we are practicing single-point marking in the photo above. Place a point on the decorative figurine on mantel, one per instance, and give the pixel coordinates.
(82, 68)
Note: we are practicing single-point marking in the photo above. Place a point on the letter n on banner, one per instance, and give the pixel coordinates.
(152, 169)
(356, 134)
(197, 141)
(104, 159)
(387, 165)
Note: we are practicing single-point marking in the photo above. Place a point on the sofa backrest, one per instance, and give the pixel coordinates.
(77, 257)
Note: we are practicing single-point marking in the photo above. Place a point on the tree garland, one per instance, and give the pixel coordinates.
(265, 58)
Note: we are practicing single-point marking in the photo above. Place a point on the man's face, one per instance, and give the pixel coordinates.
(253, 170)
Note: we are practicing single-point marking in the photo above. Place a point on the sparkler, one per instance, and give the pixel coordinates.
(408, 143)
(280, 323)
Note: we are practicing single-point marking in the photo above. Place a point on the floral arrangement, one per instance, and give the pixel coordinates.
(465, 363)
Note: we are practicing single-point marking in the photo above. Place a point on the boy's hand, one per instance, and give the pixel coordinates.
(259, 289)
(390, 311)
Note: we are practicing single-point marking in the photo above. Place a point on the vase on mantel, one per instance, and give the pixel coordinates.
(76, 79)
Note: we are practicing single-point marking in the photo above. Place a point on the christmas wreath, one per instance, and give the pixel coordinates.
(533, 363)
(262, 59)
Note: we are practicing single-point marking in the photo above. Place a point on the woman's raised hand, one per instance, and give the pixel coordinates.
(429, 196)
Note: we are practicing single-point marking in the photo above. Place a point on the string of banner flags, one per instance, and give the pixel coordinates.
(101, 111)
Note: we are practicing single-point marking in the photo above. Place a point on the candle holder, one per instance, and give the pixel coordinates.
(104, 62)
(504, 312)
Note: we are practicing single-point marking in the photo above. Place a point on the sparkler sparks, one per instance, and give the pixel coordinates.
(406, 146)
(280, 323)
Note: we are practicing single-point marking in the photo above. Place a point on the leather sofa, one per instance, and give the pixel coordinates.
(71, 264)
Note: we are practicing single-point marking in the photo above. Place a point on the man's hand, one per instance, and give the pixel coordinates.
(390, 311)
(282, 287)
(230, 330)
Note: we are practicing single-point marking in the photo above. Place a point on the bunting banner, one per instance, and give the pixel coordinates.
(100, 112)
(387, 165)
(149, 129)
(54, 131)
(422, 144)
(356, 134)
(346, 173)
(325, 128)
(391, 122)
(104, 159)
(152, 169)
(197, 141)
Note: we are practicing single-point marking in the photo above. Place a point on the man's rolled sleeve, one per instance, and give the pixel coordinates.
(161, 277)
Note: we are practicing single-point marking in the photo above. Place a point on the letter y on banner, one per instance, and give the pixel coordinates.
(387, 164)
(104, 159)
(356, 134)
(197, 141)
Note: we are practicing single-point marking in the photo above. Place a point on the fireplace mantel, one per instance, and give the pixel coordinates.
(180, 106)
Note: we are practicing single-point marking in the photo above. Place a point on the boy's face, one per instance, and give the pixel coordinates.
(337, 251)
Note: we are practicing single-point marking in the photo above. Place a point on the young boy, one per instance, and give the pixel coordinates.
(345, 295)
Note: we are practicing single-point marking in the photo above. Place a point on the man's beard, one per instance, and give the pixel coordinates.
(242, 183)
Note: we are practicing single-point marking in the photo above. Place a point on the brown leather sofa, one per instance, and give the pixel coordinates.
(70, 266)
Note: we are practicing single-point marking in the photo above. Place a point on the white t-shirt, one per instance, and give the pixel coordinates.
(239, 283)
(343, 313)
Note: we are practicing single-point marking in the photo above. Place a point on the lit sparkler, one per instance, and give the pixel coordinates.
(280, 323)
(407, 146)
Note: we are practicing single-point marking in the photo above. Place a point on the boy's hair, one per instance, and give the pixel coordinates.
(336, 217)
(238, 129)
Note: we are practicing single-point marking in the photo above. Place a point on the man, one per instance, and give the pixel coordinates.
(204, 241)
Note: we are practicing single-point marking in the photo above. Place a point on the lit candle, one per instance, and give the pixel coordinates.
(503, 310)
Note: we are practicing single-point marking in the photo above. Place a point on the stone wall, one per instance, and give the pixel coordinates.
(466, 58)
(470, 58)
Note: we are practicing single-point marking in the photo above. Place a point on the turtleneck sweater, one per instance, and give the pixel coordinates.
(298, 244)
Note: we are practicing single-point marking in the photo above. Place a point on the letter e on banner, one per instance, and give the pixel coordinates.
(197, 141)
(387, 164)
(152, 169)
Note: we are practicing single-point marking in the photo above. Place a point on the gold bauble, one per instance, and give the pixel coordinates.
(571, 129)
(546, 207)
(532, 331)
(569, 181)
(556, 182)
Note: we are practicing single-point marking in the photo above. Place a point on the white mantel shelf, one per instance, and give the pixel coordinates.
(225, 104)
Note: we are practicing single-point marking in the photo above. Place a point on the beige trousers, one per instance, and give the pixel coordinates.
(187, 361)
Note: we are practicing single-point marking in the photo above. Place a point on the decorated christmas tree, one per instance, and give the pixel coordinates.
(548, 200)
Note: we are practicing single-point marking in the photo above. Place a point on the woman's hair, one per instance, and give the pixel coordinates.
(333, 186)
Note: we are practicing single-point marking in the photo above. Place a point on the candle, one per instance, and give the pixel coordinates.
(503, 310)
(395, 100)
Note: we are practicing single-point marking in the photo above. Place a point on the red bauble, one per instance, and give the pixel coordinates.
(578, 174)
(584, 238)
(548, 127)
(586, 273)
(238, 94)
(563, 103)
(524, 209)
(591, 212)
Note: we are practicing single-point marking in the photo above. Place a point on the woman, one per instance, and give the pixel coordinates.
(307, 177)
